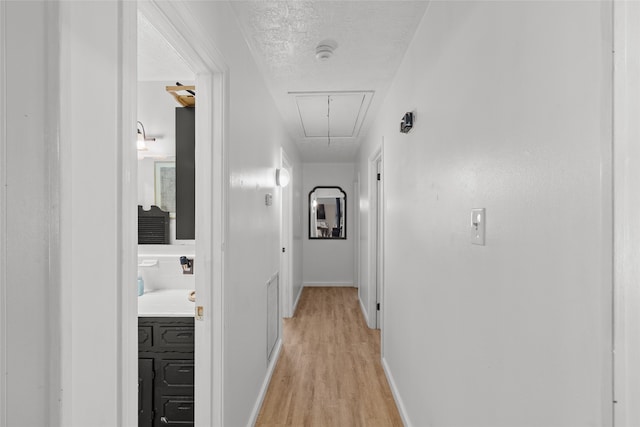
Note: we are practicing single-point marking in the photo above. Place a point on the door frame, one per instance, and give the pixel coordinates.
(356, 234)
(286, 239)
(3, 220)
(626, 211)
(174, 22)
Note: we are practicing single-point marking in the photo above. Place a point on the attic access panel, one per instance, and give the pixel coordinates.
(338, 114)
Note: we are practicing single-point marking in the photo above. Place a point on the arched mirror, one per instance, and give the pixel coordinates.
(327, 213)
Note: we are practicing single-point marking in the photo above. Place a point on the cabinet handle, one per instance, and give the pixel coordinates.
(163, 420)
(185, 370)
(184, 334)
(184, 408)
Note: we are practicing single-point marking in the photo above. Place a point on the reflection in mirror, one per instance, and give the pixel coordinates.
(327, 213)
(165, 186)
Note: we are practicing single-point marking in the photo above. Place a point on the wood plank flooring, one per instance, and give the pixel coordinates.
(329, 371)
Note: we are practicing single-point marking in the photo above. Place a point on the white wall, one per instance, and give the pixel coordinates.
(328, 262)
(91, 211)
(252, 254)
(627, 209)
(513, 103)
(26, 235)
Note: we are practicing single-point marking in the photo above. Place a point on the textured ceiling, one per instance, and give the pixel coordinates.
(372, 37)
(157, 59)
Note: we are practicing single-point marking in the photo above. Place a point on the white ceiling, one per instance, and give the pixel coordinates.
(372, 37)
(157, 59)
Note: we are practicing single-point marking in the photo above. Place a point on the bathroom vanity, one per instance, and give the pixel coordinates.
(165, 359)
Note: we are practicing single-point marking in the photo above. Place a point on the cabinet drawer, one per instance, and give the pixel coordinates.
(174, 336)
(176, 411)
(175, 373)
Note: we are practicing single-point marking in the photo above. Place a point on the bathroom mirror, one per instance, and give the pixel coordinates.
(165, 186)
(327, 213)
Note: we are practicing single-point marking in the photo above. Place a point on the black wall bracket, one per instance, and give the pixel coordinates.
(406, 124)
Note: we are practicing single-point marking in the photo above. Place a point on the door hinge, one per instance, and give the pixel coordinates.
(378, 306)
(378, 177)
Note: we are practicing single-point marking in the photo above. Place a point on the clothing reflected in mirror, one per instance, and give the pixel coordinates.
(327, 213)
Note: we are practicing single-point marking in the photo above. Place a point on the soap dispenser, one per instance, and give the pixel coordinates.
(140, 284)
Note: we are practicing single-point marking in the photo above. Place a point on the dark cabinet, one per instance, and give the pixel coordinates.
(166, 371)
(185, 173)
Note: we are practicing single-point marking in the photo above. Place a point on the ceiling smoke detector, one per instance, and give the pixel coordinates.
(325, 49)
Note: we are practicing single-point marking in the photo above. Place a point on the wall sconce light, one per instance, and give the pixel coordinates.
(282, 177)
(406, 124)
(142, 138)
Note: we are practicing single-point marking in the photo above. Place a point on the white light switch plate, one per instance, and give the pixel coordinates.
(478, 221)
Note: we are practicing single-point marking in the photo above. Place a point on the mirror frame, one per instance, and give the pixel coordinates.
(345, 212)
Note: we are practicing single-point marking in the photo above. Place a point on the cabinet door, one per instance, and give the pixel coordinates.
(176, 375)
(174, 337)
(145, 392)
(175, 411)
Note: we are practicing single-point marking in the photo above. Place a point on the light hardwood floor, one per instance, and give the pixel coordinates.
(329, 372)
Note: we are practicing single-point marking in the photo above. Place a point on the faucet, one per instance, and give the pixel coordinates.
(187, 265)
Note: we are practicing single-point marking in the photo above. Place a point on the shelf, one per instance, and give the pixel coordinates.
(186, 100)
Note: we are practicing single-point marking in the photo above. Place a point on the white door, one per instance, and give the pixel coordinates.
(379, 242)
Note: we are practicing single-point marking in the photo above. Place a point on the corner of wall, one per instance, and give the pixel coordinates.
(396, 394)
(364, 313)
(296, 301)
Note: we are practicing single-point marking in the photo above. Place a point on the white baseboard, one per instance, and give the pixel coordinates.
(396, 394)
(364, 313)
(265, 384)
(295, 303)
(327, 284)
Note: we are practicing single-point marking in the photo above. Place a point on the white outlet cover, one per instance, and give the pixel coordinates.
(478, 226)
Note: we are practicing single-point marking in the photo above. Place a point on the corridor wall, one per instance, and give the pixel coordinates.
(513, 114)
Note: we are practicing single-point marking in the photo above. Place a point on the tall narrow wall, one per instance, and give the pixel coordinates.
(513, 106)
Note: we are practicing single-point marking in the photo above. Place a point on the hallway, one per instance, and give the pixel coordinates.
(329, 371)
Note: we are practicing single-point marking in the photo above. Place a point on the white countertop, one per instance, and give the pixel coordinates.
(165, 303)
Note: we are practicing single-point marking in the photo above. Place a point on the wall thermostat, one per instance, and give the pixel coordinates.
(406, 123)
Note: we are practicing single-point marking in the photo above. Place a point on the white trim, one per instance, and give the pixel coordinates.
(287, 290)
(328, 284)
(175, 23)
(52, 130)
(626, 110)
(396, 394)
(265, 384)
(128, 378)
(3, 219)
(356, 232)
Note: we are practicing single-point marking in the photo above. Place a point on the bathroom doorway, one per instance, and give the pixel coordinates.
(166, 106)
(169, 20)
